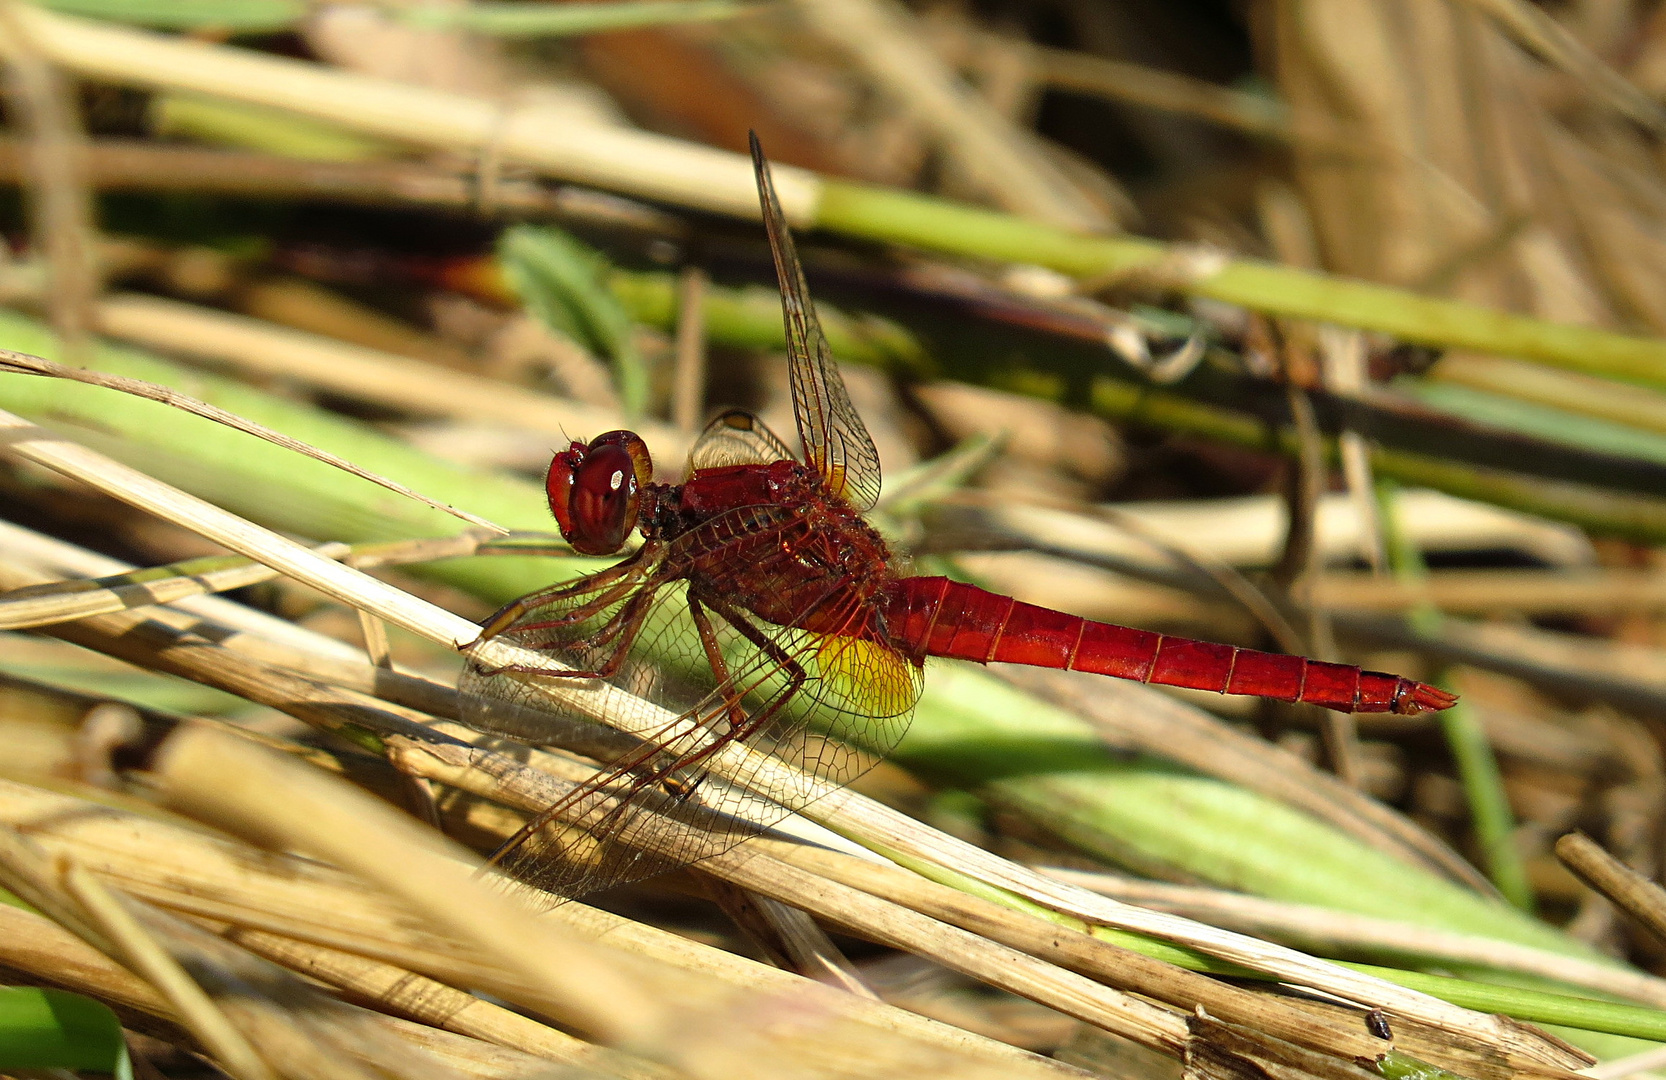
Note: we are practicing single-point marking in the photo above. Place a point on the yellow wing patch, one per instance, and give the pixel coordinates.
(865, 677)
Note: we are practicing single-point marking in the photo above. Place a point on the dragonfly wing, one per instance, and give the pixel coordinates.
(623, 814)
(829, 704)
(836, 443)
(736, 438)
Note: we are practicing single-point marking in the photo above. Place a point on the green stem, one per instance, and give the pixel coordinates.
(496, 18)
(1489, 806)
(951, 228)
(1633, 517)
(521, 19)
(1534, 1006)
(1483, 783)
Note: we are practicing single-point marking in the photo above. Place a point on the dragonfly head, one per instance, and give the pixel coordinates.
(594, 490)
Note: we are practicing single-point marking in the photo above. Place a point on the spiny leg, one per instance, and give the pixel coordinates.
(719, 666)
(796, 675)
(665, 776)
(506, 616)
(632, 569)
(634, 766)
(574, 616)
(741, 730)
(632, 618)
(625, 625)
(740, 725)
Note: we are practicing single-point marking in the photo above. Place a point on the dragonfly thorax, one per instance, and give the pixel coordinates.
(767, 537)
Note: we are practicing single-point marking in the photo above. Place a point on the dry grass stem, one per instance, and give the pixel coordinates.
(1631, 676)
(1077, 950)
(62, 217)
(375, 636)
(1635, 894)
(542, 137)
(1247, 531)
(863, 914)
(1630, 1065)
(1251, 113)
(37, 946)
(788, 936)
(234, 884)
(1310, 926)
(146, 957)
(132, 165)
(84, 907)
(47, 559)
(278, 805)
(42, 605)
(480, 1060)
(1343, 361)
(298, 1030)
(39, 950)
(129, 485)
(994, 156)
(688, 390)
(356, 371)
(403, 993)
(892, 833)
(1548, 39)
(1482, 592)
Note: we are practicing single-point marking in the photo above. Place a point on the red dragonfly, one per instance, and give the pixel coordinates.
(762, 608)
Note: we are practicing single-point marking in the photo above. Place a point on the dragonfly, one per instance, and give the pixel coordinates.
(761, 608)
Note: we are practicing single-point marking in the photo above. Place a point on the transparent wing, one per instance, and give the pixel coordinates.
(836, 444)
(737, 438)
(826, 703)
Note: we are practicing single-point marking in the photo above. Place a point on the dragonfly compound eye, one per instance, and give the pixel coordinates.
(594, 490)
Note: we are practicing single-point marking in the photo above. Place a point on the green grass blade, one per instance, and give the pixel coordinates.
(254, 127)
(1608, 513)
(238, 16)
(54, 1029)
(1540, 420)
(1477, 766)
(1534, 1006)
(561, 281)
(565, 20)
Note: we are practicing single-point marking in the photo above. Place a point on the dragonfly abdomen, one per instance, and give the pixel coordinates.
(934, 616)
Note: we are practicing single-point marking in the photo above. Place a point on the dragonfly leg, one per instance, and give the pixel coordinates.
(671, 776)
(577, 615)
(719, 666)
(630, 569)
(740, 724)
(625, 626)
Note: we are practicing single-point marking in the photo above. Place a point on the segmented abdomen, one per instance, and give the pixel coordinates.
(934, 616)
